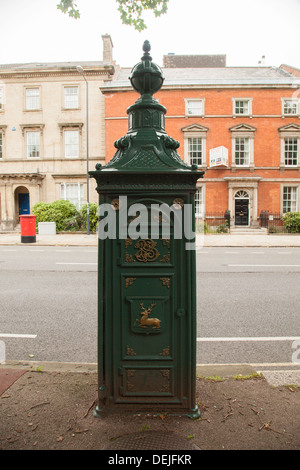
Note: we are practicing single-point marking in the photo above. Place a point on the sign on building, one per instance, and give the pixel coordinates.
(218, 156)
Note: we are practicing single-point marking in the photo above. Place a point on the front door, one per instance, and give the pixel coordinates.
(241, 211)
(24, 204)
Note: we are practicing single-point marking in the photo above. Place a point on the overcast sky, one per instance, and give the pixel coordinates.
(36, 31)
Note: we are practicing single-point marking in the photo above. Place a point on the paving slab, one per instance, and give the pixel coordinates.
(8, 377)
(207, 240)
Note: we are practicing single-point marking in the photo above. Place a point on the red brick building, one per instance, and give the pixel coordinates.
(239, 124)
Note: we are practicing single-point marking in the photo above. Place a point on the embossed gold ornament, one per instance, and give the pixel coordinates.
(129, 281)
(128, 242)
(178, 203)
(130, 351)
(165, 281)
(129, 258)
(146, 251)
(115, 203)
(145, 321)
(165, 352)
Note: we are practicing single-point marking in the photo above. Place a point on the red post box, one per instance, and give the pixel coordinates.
(28, 231)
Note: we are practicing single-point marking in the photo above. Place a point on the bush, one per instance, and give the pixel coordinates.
(73, 224)
(93, 216)
(59, 212)
(291, 221)
(223, 228)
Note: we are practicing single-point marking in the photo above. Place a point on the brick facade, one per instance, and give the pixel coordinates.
(252, 112)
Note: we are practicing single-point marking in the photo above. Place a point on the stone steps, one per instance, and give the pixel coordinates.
(249, 230)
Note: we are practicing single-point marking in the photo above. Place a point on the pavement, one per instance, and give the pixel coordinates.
(16, 382)
(234, 239)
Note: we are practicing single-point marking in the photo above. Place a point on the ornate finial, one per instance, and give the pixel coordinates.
(146, 49)
(146, 77)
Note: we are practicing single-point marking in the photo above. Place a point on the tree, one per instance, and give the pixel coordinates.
(130, 10)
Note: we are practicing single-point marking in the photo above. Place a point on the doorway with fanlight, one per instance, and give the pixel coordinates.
(242, 200)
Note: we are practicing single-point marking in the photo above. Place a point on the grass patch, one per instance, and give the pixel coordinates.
(255, 375)
(215, 378)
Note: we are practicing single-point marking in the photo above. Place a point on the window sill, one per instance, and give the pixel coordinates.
(249, 167)
(194, 115)
(234, 116)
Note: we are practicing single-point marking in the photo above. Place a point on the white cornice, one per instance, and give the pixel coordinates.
(107, 71)
(115, 88)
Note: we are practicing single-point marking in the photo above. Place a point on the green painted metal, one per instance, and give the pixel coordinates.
(146, 285)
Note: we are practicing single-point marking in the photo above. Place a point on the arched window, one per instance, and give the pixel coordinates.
(241, 194)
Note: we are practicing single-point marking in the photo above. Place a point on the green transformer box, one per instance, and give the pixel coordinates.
(146, 264)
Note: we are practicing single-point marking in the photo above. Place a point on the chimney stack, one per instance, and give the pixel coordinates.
(107, 49)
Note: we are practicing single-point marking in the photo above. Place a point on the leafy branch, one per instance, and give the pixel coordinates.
(131, 11)
(70, 7)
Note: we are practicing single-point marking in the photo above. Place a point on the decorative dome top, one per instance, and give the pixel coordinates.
(146, 149)
(146, 77)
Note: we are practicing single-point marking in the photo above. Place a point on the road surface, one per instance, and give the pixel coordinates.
(247, 304)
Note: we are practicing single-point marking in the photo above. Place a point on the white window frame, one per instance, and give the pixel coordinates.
(33, 102)
(79, 201)
(35, 137)
(293, 143)
(245, 100)
(70, 146)
(242, 141)
(291, 131)
(27, 128)
(200, 202)
(195, 131)
(250, 150)
(293, 200)
(294, 106)
(198, 149)
(70, 103)
(247, 132)
(191, 109)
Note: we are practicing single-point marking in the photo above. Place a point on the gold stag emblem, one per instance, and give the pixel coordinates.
(145, 321)
(147, 251)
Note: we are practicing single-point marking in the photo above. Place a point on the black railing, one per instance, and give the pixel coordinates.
(215, 222)
(273, 221)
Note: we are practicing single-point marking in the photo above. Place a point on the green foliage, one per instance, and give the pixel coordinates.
(223, 228)
(206, 228)
(93, 216)
(73, 224)
(291, 221)
(70, 7)
(59, 212)
(130, 10)
(66, 216)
